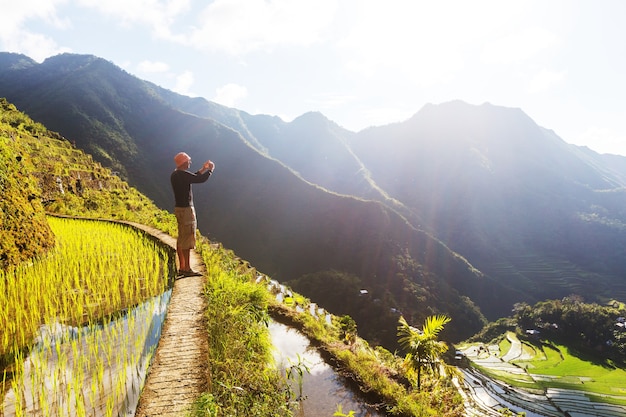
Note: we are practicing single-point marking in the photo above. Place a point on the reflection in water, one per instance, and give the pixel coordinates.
(322, 388)
(97, 370)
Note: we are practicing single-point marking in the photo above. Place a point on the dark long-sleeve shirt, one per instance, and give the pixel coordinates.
(181, 184)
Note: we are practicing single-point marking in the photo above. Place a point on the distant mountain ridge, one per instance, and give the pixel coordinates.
(311, 144)
(512, 197)
(535, 217)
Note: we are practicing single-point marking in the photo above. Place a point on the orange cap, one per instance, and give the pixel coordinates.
(181, 158)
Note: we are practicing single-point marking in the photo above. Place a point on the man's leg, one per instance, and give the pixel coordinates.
(186, 256)
(186, 217)
(183, 259)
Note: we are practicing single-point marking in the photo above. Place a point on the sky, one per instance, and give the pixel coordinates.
(361, 63)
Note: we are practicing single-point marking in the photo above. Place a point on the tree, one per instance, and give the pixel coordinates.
(422, 346)
(348, 329)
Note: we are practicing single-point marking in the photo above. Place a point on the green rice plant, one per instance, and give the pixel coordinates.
(505, 346)
(95, 270)
(68, 346)
(339, 412)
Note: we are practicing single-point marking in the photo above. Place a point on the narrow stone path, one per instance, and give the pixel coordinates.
(178, 374)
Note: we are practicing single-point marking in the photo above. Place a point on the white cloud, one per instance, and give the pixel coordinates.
(157, 14)
(427, 43)
(184, 82)
(15, 38)
(147, 11)
(602, 140)
(544, 79)
(230, 94)
(241, 26)
(233, 26)
(14, 14)
(518, 47)
(152, 66)
(34, 45)
(330, 100)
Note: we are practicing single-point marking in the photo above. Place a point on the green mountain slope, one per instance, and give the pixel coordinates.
(285, 226)
(24, 232)
(539, 215)
(42, 171)
(521, 205)
(517, 201)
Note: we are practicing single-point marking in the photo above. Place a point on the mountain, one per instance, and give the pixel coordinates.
(41, 172)
(313, 146)
(461, 209)
(537, 214)
(522, 205)
(286, 226)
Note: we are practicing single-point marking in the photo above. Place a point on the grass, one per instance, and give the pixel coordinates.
(243, 379)
(505, 346)
(379, 374)
(245, 382)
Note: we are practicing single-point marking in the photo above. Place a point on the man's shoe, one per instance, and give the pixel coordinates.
(191, 273)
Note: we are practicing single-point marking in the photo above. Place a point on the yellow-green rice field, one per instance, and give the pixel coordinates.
(68, 343)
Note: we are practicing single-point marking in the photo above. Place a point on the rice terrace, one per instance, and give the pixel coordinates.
(543, 379)
(83, 356)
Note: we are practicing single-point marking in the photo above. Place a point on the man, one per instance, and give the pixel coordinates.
(181, 180)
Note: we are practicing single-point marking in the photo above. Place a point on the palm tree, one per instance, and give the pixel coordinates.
(422, 346)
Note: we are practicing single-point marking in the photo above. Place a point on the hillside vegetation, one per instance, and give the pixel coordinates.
(590, 330)
(24, 232)
(41, 171)
(553, 358)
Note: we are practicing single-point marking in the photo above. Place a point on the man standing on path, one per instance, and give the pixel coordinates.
(185, 213)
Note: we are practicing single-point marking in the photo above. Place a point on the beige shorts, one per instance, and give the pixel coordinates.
(186, 218)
